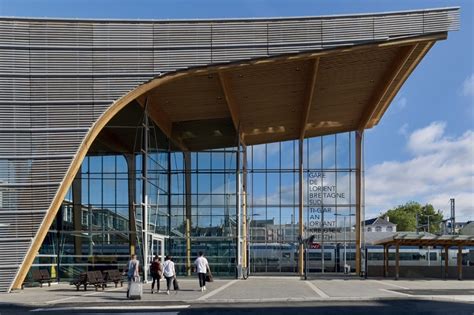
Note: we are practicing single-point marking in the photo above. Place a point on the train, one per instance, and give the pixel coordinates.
(284, 257)
(265, 257)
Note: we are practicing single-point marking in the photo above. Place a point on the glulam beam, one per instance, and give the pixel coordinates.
(384, 87)
(309, 97)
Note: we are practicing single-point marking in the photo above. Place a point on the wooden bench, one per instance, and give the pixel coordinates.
(41, 276)
(81, 280)
(113, 275)
(96, 279)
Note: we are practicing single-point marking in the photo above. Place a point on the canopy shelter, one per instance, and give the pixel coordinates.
(425, 239)
(280, 98)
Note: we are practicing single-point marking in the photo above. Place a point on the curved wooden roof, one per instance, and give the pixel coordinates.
(287, 97)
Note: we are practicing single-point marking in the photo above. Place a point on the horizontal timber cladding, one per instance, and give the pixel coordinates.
(57, 77)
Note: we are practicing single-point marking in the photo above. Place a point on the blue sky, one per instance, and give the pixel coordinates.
(423, 149)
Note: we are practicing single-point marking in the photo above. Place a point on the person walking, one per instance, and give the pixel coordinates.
(132, 272)
(169, 272)
(156, 272)
(202, 267)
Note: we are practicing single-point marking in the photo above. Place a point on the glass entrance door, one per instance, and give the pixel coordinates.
(156, 247)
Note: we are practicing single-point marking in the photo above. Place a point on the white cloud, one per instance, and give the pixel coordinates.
(402, 103)
(403, 130)
(426, 139)
(468, 86)
(399, 104)
(441, 168)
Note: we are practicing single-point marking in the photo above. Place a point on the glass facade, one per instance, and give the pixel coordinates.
(93, 233)
(329, 203)
(103, 220)
(213, 208)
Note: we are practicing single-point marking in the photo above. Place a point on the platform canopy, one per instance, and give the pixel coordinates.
(426, 239)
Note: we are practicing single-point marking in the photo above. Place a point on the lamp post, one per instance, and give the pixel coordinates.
(427, 229)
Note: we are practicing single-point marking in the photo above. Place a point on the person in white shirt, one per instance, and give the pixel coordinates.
(168, 272)
(202, 267)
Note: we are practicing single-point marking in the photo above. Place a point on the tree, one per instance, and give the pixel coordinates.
(405, 217)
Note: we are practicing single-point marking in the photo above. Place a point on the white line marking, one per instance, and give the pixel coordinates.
(316, 289)
(391, 284)
(121, 307)
(395, 292)
(140, 313)
(225, 286)
(79, 296)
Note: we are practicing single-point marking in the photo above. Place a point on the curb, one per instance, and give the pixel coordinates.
(247, 301)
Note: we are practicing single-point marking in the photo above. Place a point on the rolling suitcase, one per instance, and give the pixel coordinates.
(135, 290)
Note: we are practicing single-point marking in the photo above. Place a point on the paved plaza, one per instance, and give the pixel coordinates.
(255, 290)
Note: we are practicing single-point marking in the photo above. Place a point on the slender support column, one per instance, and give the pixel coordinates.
(77, 214)
(187, 180)
(132, 226)
(459, 262)
(238, 206)
(300, 208)
(169, 198)
(385, 257)
(397, 262)
(358, 191)
(145, 196)
(244, 209)
(446, 262)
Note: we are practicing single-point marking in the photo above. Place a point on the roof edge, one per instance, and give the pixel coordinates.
(256, 19)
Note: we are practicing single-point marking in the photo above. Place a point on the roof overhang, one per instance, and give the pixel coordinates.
(287, 97)
(304, 77)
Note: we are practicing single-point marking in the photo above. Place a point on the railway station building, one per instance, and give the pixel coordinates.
(241, 138)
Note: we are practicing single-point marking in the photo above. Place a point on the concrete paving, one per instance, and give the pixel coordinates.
(252, 290)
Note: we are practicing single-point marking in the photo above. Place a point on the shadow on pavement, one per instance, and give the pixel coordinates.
(399, 306)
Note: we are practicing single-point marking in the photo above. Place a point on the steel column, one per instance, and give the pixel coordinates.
(187, 180)
(145, 145)
(238, 206)
(300, 208)
(358, 241)
(244, 210)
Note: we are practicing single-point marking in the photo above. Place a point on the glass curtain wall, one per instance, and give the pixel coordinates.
(329, 204)
(100, 221)
(99, 236)
(213, 209)
(96, 231)
(151, 187)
